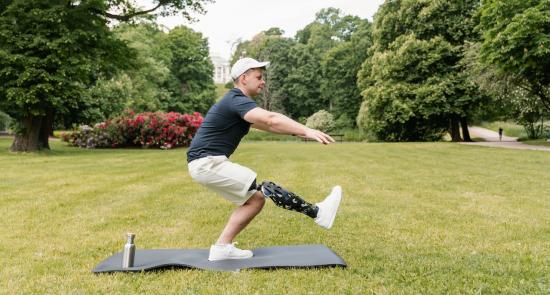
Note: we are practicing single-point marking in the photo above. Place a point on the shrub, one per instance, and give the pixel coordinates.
(159, 130)
(344, 122)
(87, 137)
(322, 120)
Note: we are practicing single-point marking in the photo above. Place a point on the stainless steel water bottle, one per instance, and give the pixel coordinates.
(129, 252)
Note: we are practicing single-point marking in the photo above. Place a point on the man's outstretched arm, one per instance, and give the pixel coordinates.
(279, 123)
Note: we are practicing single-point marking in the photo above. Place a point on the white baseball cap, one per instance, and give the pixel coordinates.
(245, 64)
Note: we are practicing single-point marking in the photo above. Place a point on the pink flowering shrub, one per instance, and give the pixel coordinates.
(159, 130)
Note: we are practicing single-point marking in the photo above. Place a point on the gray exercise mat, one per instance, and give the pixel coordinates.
(301, 256)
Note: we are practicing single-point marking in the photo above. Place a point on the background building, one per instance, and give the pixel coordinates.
(221, 69)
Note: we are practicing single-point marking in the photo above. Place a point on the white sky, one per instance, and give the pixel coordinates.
(227, 20)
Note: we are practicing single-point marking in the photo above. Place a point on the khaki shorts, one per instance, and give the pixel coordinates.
(228, 179)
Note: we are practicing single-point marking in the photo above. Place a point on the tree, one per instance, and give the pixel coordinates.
(444, 26)
(172, 73)
(52, 51)
(251, 48)
(506, 95)
(340, 66)
(516, 40)
(294, 78)
(145, 86)
(303, 83)
(4, 121)
(410, 99)
(275, 49)
(272, 46)
(329, 26)
(193, 86)
(141, 88)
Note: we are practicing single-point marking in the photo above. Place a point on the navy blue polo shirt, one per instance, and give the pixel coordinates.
(223, 127)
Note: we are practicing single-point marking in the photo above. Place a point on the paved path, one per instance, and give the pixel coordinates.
(492, 140)
(488, 135)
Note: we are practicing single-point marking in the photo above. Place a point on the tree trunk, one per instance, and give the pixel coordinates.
(46, 129)
(455, 130)
(465, 131)
(26, 140)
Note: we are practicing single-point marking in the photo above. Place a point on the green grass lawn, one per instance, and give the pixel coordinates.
(543, 142)
(416, 218)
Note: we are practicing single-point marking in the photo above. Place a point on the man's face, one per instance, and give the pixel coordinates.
(253, 81)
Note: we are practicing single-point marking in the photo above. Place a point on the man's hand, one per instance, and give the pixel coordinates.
(318, 135)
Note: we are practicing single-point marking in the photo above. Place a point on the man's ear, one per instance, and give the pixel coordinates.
(242, 79)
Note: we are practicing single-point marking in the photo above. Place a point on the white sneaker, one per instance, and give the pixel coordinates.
(228, 251)
(328, 208)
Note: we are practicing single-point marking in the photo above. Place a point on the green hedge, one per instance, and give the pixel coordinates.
(350, 134)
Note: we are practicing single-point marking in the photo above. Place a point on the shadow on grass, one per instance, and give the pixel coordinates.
(164, 268)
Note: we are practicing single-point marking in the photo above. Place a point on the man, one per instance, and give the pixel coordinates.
(219, 135)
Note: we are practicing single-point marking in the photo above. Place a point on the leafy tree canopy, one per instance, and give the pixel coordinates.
(516, 40)
(340, 66)
(192, 69)
(51, 51)
(413, 84)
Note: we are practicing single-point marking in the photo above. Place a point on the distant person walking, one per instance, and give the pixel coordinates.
(500, 130)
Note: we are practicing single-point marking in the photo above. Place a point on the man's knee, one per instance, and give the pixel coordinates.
(257, 200)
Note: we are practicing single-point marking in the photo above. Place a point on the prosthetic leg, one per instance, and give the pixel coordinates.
(287, 200)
